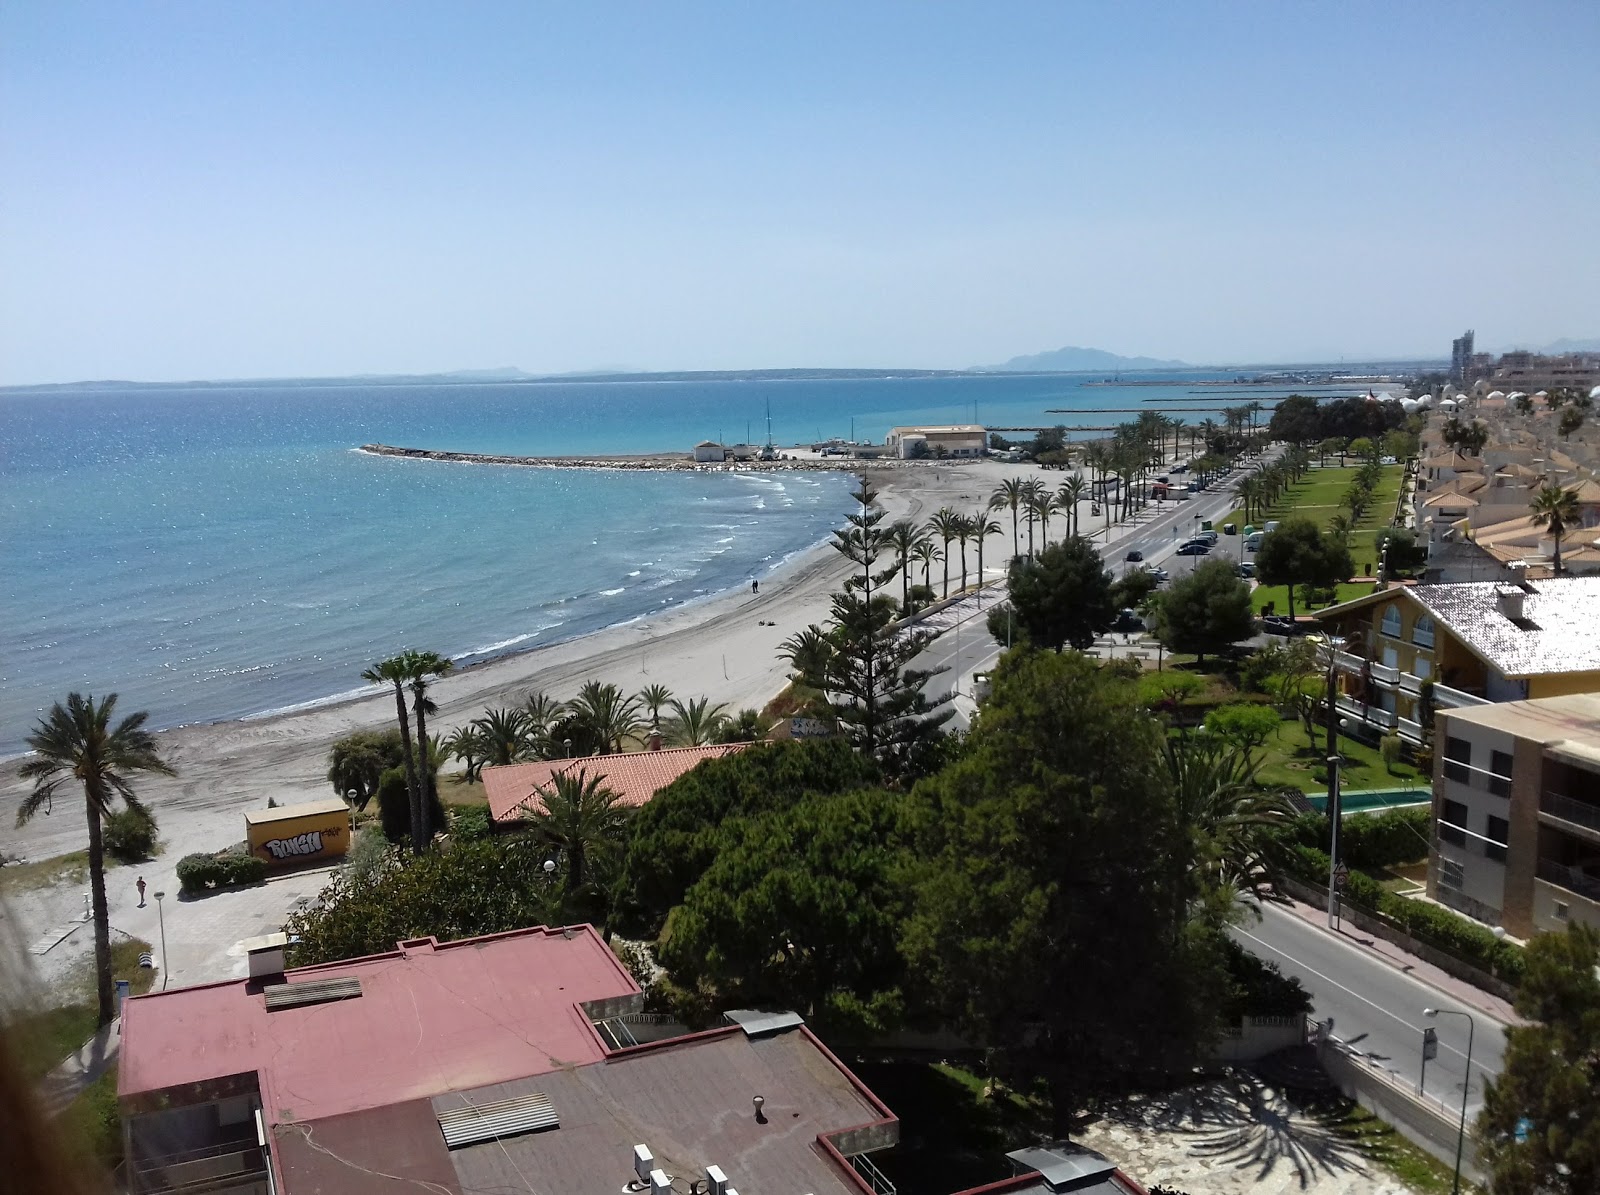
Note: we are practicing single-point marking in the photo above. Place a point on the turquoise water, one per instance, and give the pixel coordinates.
(216, 552)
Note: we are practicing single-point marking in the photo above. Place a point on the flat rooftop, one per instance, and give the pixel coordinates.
(1547, 720)
(429, 1018)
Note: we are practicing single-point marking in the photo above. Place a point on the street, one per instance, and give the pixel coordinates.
(1375, 1007)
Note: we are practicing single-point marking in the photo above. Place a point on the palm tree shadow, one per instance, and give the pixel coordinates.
(1241, 1122)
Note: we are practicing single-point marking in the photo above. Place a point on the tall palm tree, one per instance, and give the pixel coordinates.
(467, 745)
(1555, 509)
(1177, 426)
(1071, 492)
(809, 652)
(504, 736)
(581, 817)
(695, 724)
(396, 671)
(946, 524)
(612, 715)
(654, 698)
(1043, 504)
(1009, 493)
(77, 742)
(1031, 489)
(982, 528)
(424, 664)
(964, 533)
(904, 535)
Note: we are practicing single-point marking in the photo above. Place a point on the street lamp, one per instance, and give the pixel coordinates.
(162, 918)
(1466, 1084)
(1335, 645)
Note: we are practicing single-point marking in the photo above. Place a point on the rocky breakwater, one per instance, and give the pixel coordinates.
(668, 461)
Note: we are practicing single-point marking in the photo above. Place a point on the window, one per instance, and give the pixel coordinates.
(1422, 633)
(1451, 873)
(1563, 910)
(1391, 620)
(1457, 759)
(1452, 819)
(1500, 830)
(1500, 765)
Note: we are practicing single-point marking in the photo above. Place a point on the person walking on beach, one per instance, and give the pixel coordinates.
(140, 887)
(755, 588)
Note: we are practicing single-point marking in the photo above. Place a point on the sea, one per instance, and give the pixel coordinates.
(223, 551)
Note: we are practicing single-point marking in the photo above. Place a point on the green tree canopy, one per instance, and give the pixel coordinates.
(801, 908)
(1551, 1077)
(1405, 553)
(1063, 597)
(1244, 724)
(1206, 612)
(1044, 919)
(357, 762)
(675, 837)
(1297, 553)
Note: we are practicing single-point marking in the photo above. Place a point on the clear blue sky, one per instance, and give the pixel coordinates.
(284, 189)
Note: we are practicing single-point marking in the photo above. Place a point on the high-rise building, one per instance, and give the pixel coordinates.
(1461, 357)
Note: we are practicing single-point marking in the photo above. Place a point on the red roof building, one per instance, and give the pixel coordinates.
(635, 776)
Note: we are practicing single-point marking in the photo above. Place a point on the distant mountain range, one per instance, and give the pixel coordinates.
(1556, 347)
(1077, 360)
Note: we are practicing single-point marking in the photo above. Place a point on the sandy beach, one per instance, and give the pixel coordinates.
(718, 648)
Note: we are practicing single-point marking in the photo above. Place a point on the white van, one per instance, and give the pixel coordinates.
(1272, 525)
(1252, 542)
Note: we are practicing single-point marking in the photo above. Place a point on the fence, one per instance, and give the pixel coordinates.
(1256, 1037)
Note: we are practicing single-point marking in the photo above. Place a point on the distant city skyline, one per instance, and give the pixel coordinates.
(291, 190)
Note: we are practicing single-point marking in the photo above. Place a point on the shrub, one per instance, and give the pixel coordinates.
(1390, 747)
(130, 834)
(469, 823)
(1259, 989)
(371, 848)
(203, 873)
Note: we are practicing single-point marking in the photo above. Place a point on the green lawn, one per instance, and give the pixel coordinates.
(1289, 759)
(42, 1038)
(1279, 595)
(1318, 495)
(62, 869)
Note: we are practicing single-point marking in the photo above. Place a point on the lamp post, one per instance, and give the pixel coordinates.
(1466, 1084)
(1335, 645)
(162, 918)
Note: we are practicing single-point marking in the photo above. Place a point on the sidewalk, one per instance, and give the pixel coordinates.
(62, 1085)
(1448, 986)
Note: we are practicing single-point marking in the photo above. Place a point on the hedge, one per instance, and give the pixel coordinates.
(1438, 927)
(204, 873)
(129, 834)
(1371, 841)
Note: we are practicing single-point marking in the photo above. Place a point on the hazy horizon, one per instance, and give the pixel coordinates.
(297, 190)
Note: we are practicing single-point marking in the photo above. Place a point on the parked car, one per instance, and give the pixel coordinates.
(1134, 556)
(1160, 574)
(1247, 569)
(1252, 542)
(1128, 623)
(1210, 537)
(1272, 525)
(1195, 547)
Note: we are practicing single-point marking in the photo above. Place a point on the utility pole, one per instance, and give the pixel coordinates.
(1334, 647)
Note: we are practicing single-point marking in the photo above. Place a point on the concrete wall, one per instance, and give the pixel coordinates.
(1395, 1101)
(1256, 1037)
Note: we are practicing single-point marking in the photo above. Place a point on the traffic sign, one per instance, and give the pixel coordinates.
(1430, 1044)
(1340, 875)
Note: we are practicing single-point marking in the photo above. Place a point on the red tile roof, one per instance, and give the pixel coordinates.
(431, 1018)
(635, 776)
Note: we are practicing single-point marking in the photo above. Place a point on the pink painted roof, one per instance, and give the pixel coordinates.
(431, 1018)
(635, 776)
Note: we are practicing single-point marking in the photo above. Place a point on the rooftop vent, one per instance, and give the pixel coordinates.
(660, 1184)
(1062, 1165)
(318, 991)
(716, 1181)
(643, 1162)
(265, 954)
(758, 1024)
(505, 1118)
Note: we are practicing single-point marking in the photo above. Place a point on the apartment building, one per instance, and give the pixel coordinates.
(1516, 806)
(1467, 644)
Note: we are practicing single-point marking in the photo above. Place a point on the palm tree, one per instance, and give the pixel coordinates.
(927, 555)
(504, 736)
(946, 524)
(965, 530)
(612, 715)
(904, 535)
(1009, 493)
(464, 743)
(695, 724)
(1340, 528)
(1030, 507)
(1040, 505)
(1071, 492)
(396, 671)
(653, 698)
(809, 652)
(78, 743)
(982, 528)
(580, 817)
(1555, 509)
(1177, 426)
(424, 664)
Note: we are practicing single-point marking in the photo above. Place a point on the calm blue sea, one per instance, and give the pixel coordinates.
(215, 552)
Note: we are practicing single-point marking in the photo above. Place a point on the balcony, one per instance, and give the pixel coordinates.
(1410, 684)
(1573, 879)
(1372, 715)
(1577, 813)
(1360, 666)
(1447, 698)
(1410, 731)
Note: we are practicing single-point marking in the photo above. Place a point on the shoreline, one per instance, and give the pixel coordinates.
(675, 462)
(722, 646)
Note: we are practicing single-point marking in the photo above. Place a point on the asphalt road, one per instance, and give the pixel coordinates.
(1376, 1008)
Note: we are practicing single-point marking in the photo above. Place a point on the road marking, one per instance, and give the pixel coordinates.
(1350, 992)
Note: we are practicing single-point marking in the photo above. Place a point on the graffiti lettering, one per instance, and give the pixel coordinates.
(309, 843)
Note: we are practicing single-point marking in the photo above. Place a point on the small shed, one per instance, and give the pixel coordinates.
(709, 452)
(297, 833)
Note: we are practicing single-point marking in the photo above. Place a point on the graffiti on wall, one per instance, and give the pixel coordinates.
(309, 843)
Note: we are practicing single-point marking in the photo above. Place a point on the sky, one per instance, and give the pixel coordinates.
(311, 189)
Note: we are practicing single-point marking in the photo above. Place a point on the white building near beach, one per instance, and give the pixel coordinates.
(709, 452)
(957, 439)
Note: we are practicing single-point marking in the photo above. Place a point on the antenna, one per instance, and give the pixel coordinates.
(769, 423)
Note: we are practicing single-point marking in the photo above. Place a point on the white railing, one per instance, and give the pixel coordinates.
(1447, 698)
(1410, 731)
(1373, 715)
(1410, 684)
